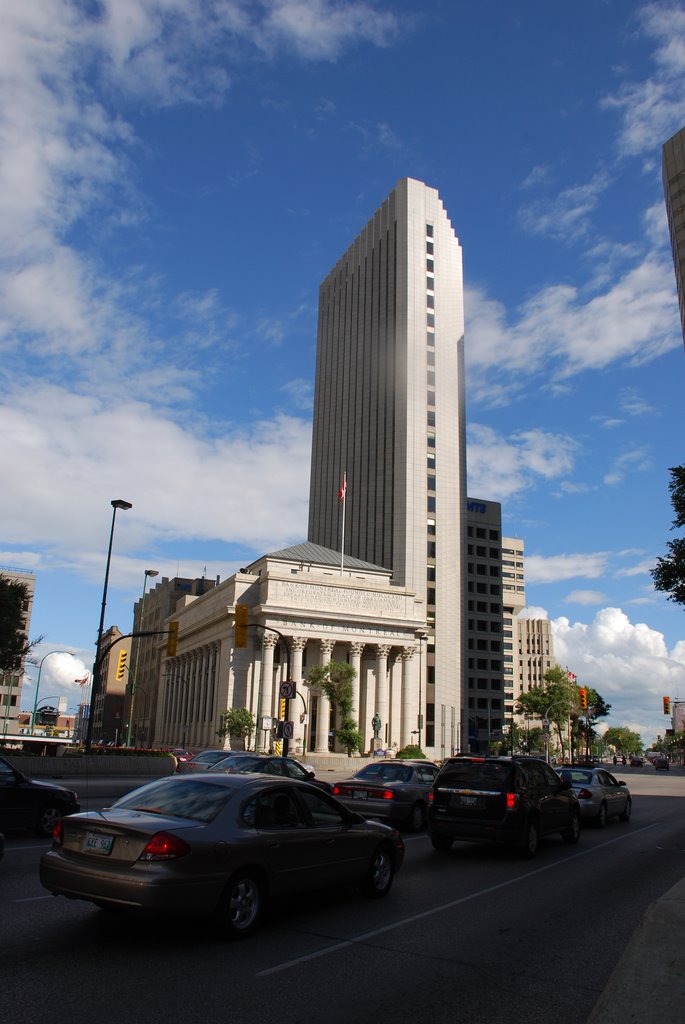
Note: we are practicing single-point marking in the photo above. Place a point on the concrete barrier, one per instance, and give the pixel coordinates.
(91, 764)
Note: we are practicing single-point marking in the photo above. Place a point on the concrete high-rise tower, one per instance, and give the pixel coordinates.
(389, 413)
(673, 174)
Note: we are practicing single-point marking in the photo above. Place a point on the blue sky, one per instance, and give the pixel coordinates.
(178, 176)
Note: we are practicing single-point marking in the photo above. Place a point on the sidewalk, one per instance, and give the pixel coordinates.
(648, 983)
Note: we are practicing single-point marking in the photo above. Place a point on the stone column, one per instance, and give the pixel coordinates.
(382, 690)
(356, 650)
(410, 697)
(267, 686)
(323, 716)
(297, 646)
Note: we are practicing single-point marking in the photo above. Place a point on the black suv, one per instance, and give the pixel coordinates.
(513, 800)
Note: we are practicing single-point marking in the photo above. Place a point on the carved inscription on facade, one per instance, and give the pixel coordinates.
(339, 599)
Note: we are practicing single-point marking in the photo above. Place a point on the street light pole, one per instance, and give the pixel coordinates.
(134, 678)
(40, 669)
(118, 503)
(420, 636)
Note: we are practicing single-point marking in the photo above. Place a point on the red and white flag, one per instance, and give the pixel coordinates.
(82, 682)
(343, 489)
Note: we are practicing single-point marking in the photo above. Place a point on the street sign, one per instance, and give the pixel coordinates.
(288, 689)
(288, 730)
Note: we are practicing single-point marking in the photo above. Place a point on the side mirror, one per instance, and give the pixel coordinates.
(621, 782)
(310, 774)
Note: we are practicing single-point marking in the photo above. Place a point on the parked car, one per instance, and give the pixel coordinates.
(513, 800)
(599, 794)
(201, 762)
(30, 803)
(218, 845)
(392, 791)
(662, 763)
(270, 765)
(181, 755)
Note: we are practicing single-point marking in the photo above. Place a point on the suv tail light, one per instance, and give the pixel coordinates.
(164, 846)
(512, 801)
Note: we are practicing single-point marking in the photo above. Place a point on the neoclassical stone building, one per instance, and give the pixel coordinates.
(304, 610)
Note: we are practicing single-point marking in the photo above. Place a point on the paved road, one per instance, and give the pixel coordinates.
(476, 935)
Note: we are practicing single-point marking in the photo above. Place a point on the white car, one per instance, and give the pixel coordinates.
(599, 794)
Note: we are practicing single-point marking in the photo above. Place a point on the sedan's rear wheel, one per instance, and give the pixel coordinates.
(627, 810)
(531, 839)
(572, 833)
(602, 816)
(48, 816)
(380, 874)
(417, 818)
(241, 905)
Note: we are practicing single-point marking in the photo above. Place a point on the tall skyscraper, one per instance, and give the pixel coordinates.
(389, 414)
(673, 173)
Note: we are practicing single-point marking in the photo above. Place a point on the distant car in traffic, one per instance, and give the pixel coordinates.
(218, 845)
(30, 803)
(270, 765)
(201, 762)
(511, 800)
(393, 791)
(636, 761)
(599, 794)
(662, 763)
(181, 755)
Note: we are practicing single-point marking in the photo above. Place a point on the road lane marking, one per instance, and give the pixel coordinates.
(366, 936)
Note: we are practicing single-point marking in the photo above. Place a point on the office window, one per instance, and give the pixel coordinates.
(430, 573)
(430, 549)
(431, 503)
(430, 301)
(430, 460)
(431, 418)
(430, 266)
(430, 380)
(430, 440)
(430, 339)
(431, 483)
(429, 248)
(430, 397)
(430, 358)
(430, 319)
(429, 230)
(430, 527)
(430, 595)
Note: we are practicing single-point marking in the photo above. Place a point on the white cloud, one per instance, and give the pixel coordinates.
(555, 568)
(628, 664)
(633, 321)
(637, 460)
(567, 215)
(585, 597)
(500, 467)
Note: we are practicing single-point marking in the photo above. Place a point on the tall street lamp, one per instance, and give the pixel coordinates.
(134, 678)
(118, 503)
(40, 669)
(421, 635)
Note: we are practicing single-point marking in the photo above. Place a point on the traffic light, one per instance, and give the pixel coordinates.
(172, 640)
(667, 705)
(240, 626)
(121, 664)
(582, 698)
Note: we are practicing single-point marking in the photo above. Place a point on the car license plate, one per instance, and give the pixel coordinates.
(466, 801)
(360, 794)
(96, 843)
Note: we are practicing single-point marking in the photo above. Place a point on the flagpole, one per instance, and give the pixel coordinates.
(343, 496)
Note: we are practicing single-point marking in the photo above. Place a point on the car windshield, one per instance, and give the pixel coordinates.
(192, 799)
(475, 775)
(385, 773)
(239, 764)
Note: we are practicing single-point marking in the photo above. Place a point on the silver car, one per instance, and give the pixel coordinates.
(599, 794)
(218, 845)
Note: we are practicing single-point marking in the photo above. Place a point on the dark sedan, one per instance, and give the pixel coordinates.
(268, 765)
(392, 791)
(218, 845)
(29, 803)
(202, 761)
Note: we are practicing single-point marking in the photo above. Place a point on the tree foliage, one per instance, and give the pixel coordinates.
(558, 700)
(623, 740)
(669, 572)
(237, 722)
(14, 647)
(335, 680)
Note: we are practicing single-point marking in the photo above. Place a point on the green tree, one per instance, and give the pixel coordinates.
(556, 699)
(335, 679)
(14, 647)
(623, 740)
(669, 572)
(238, 723)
